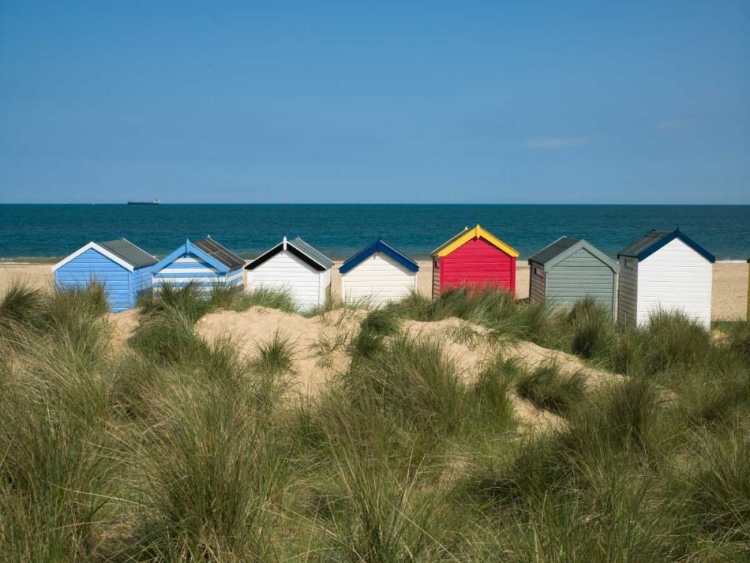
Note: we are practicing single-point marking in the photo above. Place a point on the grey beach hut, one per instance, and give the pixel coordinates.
(570, 269)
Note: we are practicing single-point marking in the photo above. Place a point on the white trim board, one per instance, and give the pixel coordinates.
(93, 246)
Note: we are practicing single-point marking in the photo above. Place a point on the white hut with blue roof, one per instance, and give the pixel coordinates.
(205, 263)
(378, 274)
(120, 266)
(295, 267)
(665, 271)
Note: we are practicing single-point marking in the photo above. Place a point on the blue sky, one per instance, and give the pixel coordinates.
(481, 102)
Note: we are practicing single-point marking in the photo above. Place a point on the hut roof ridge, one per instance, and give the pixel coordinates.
(378, 246)
(466, 235)
(654, 240)
(299, 248)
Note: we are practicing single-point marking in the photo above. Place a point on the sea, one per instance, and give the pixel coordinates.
(48, 232)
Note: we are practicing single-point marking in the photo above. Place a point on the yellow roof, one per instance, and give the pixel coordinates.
(469, 234)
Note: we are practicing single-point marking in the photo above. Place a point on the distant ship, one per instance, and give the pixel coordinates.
(155, 202)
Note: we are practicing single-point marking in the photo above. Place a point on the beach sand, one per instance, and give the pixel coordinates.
(729, 291)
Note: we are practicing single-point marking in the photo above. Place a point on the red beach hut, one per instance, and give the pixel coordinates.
(474, 257)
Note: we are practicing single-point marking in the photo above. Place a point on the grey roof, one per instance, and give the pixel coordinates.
(313, 253)
(129, 252)
(218, 252)
(647, 240)
(553, 250)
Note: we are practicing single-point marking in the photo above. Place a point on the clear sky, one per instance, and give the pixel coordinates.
(432, 102)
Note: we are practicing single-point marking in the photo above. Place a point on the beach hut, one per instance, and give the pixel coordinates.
(664, 271)
(122, 267)
(569, 270)
(378, 274)
(474, 257)
(204, 262)
(293, 266)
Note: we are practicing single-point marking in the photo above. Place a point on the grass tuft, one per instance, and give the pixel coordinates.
(20, 303)
(264, 297)
(276, 355)
(551, 390)
(380, 322)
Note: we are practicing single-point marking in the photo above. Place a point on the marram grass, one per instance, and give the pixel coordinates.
(174, 448)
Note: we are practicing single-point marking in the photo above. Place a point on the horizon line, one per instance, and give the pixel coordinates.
(385, 203)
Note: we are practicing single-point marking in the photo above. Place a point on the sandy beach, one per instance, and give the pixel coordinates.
(729, 291)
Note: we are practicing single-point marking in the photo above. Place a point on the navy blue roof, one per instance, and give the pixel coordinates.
(374, 248)
(655, 240)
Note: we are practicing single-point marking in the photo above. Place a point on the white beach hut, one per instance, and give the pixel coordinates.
(293, 266)
(665, 271)
(378, 274)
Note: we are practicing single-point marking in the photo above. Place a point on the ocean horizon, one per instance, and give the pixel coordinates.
(50, 231)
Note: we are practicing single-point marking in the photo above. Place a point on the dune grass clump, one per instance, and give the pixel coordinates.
(20, 304)
(412, 380)
(374, 328)
(225, 296)
(592, 328)
(488, 306)
(275, 355)
(209, 473)
(168, 337)
(738, 337)
(414, 306)
(716, 486)
(265, 297)
(488, 396)
(71, 314)
(380, 322)
(385, 517)
(190, 300)
(626, 418)
(551, 390)
(673, 341)
(52, 476)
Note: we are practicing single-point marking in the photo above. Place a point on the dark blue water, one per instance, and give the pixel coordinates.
(46, 231)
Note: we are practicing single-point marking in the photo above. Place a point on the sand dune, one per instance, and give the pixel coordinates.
(320, 350)
(319, 343)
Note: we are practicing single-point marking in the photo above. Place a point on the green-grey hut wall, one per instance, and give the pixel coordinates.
(579, 275)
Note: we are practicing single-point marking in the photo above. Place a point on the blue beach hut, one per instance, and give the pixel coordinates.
(122, 267)
(204, 262)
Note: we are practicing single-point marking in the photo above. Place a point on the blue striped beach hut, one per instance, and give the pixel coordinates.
(122, 267)
(204, 262)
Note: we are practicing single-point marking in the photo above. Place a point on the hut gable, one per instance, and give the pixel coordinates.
(569, 270)
(122, 267)
(670, 272)
(298, 248)
(205, 263)
(294, 267)
(379, 247)
(653, 241)
(378, 274)
(474, 257)
(468, 235)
